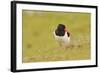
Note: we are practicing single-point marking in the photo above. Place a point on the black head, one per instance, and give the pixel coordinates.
(60, 31)
(61, 27)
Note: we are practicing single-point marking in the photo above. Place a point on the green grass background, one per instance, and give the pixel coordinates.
(39, 44)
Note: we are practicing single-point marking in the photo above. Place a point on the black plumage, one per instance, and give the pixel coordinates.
(60, 30)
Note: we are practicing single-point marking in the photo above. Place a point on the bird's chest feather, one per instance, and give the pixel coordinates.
(63, 39)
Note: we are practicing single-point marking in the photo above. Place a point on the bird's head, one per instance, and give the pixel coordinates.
(61, 27)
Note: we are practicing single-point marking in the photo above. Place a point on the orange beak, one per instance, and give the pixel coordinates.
(65, 29)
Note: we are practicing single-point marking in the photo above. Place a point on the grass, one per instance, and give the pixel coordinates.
(39, 44)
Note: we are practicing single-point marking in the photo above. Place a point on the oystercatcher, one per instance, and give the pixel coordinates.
(62, 35)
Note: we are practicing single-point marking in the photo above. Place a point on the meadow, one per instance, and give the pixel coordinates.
(38, 41)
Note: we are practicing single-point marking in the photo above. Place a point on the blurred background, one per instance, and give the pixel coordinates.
(39, 43)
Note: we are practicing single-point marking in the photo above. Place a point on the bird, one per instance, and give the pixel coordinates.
(62, 35)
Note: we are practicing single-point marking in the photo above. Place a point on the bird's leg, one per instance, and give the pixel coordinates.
(67, 46)
(61, 45)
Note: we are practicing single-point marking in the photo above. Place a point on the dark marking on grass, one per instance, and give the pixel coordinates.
(29, 45)
(79, 46)
(36, 34)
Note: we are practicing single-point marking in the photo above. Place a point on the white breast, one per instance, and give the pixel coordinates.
(62, 39)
